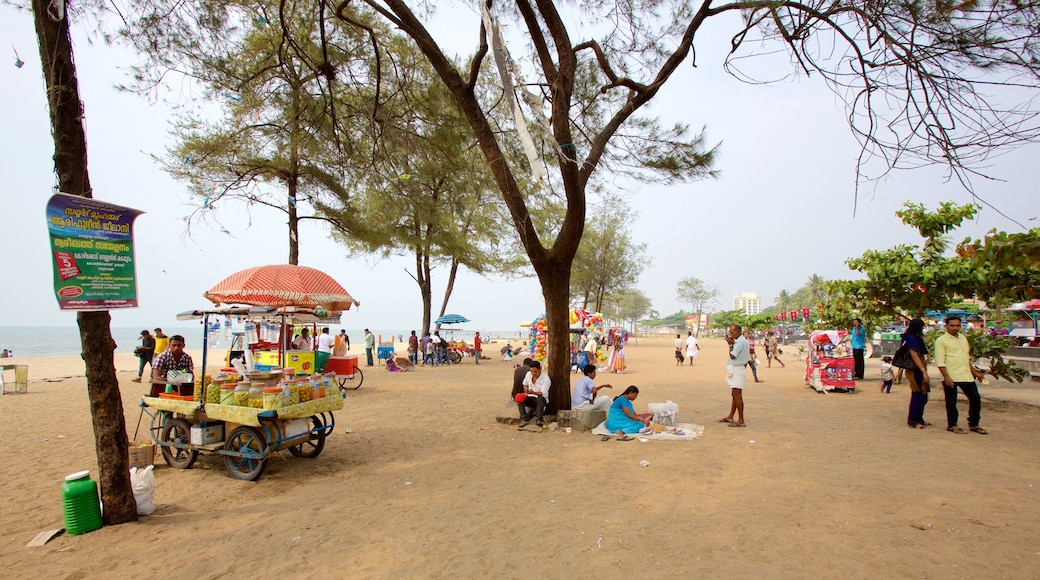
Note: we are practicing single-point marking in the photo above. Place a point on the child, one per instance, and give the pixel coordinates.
(886, 374)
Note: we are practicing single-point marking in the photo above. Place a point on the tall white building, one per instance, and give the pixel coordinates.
(749, 302)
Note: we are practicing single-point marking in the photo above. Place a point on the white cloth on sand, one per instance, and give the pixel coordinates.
(689, 431)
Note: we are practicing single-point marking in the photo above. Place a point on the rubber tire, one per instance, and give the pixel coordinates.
(245, 437)
(177, 431)
(354, 382)
(311, 449)
(454, 357)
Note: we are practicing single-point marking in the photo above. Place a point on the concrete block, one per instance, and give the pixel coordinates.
(581, 420)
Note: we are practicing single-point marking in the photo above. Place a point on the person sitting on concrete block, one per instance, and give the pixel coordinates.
(585, 392)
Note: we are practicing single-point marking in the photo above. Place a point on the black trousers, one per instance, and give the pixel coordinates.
(537, 403)
(857, 357)
(971, 390)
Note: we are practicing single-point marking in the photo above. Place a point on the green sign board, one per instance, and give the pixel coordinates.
(93, 247)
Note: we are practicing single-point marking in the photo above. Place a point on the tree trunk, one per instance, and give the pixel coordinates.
(70, 164)
(294, 226)
(555, 282)
(422, 278)
(451, 285)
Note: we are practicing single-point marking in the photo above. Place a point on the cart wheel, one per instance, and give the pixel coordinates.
(352, 382)
(312, 448)
(250, 441)
(456, 358)
(177, 431)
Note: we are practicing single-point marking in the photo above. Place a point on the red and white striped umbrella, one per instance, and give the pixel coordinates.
(282, 285)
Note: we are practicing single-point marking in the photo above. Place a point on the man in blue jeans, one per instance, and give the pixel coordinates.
(858, 339)
(953, 357)
(370, 344)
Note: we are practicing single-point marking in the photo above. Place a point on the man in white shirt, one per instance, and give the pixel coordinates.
(325, 343)
(536, 388)
(692, 348)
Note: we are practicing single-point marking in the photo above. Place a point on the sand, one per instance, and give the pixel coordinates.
(425, 483)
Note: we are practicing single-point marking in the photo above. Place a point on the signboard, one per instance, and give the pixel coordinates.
(93, 249)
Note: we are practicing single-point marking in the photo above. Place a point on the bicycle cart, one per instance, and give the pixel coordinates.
(244, 436)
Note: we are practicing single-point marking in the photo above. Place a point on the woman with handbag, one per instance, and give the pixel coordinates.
(913, 341)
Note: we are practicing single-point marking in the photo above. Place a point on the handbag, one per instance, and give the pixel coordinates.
(903, 360)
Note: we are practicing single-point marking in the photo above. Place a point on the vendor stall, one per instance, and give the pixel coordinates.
(829, 366)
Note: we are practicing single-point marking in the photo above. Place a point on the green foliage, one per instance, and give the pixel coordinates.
(608, 261)
(696, 293)
(677, 319)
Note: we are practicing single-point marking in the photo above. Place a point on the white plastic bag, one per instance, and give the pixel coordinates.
(143, 482)
(666, 414)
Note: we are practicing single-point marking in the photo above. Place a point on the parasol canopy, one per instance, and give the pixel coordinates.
(1028, 305)
(451, 319)
(280, 285)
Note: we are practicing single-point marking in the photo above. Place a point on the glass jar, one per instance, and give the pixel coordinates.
(213, 393)
(272, 398)
(242, 394)
(256, 396)
(305, 390)
(227, 393)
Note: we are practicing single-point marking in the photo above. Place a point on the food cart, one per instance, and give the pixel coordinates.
(271, 414)
(829, 366)
(245, 434)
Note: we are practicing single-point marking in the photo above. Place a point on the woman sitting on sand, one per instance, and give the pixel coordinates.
(622, 418)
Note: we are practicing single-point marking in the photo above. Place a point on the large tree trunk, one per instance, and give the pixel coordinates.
(555, 280)
(70, 164)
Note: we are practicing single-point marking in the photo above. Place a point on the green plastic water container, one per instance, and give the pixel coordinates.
(80, 506)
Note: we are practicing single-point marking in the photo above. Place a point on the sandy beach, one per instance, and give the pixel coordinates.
(419, 480)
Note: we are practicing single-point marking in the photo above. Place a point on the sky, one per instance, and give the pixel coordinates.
(783, 208)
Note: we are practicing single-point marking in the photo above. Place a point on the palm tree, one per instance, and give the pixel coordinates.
(816, 288)
(783, 301)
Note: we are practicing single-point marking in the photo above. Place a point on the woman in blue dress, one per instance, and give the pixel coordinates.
(913, 338)
(622, 418)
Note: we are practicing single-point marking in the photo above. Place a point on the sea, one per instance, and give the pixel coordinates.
(64, 340)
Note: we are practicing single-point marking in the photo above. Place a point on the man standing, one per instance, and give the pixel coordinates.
(325, 344)
(370, 345)
(736, 376)
(589, 350)
(858, 339)
(749, 335)
(162, 342)
(585, 390)
(536, 387)
(692, 348)
(172, 359)
(476, 347)
(413, 348)
(953, 357)
(145, 352)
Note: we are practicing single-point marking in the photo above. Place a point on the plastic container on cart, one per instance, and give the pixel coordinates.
(80, 506)
(273, 398)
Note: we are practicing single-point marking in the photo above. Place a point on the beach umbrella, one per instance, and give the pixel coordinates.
(281, 285)
(451, 319)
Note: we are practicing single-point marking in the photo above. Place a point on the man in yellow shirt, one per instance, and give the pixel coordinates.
(953, 357)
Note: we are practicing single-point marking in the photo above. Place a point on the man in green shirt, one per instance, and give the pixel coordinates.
(953, 357)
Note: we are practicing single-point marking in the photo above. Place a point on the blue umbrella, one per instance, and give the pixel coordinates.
(451, 319)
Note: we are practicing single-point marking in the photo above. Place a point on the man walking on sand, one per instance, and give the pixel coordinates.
(736, 376)
(773, 351)
(370, 344)
(692, 348)
(953, 357)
